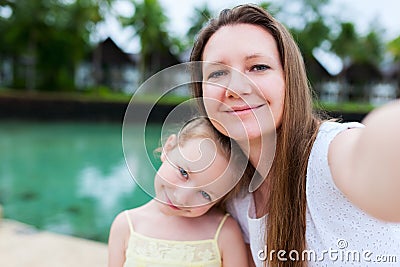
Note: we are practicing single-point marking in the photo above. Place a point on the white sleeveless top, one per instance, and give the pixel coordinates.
(337, 232)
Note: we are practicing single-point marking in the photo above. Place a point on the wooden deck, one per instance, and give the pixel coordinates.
(22, 245)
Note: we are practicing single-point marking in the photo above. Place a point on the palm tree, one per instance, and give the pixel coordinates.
(393, 47)
(345, 44)
(150, 23)
(200, 17)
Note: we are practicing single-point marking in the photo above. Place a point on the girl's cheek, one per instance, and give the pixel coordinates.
(166, 176)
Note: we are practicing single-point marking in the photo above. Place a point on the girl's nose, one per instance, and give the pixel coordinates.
(183, 196)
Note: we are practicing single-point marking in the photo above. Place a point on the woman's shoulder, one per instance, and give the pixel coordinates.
(327, 132)
(332, 143)
(336, 144)
(334, 126)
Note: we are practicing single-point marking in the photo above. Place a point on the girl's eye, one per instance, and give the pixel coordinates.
(260, 67)
(205, 195)
(183, 172)
(216, 74)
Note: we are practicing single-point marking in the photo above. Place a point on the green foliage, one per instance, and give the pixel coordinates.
(349, 107)
(312, 36)
(271, 8)
(394, 48)
(353, 48)
(47, 46)
(96, 94)
(105, 93)
(371, 48)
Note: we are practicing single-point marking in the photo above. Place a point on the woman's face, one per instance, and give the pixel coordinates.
(243, 82)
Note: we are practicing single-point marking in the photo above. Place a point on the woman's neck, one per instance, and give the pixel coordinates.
(261, 153)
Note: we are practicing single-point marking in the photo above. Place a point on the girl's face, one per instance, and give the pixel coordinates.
(191, 177)
(243, 82)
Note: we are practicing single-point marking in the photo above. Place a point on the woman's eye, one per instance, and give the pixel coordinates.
(205, 195)
(260, 67)
(216, 74)
(183, 172)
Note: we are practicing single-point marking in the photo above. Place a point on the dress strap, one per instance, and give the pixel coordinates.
(129, 220)
(220, 226)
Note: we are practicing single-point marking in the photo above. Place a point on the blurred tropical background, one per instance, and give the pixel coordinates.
(64, 88)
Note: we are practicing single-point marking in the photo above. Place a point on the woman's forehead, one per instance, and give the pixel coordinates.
(252, 39)
(240, 47)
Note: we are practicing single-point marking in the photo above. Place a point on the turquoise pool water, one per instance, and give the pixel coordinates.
(70, 178)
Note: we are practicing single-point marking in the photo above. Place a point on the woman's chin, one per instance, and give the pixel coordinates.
(248, 133)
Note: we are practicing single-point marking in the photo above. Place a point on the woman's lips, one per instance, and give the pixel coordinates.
(243, 109)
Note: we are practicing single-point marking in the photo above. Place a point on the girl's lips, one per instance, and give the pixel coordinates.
(169, 203)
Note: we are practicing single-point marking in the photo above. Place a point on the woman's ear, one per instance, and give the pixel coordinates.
(168, 146)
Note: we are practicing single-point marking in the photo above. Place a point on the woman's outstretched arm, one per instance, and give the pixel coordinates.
(365, 163)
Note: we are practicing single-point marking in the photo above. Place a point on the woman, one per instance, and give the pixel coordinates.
(330, 186)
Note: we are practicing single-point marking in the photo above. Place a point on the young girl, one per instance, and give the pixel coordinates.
(331, 196)
(183, 226)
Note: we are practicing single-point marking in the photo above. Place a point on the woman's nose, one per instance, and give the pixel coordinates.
(239, 84)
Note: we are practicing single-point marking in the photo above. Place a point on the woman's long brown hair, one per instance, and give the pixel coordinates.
(286, 204)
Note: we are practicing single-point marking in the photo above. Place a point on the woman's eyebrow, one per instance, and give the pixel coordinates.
(214, 63)
(259, 55)
(256, 55)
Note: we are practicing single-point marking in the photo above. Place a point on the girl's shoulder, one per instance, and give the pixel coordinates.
(231, 243)
(229, 226)
(224, 225)
(127, 219)
(121, 222)
(144, 213)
